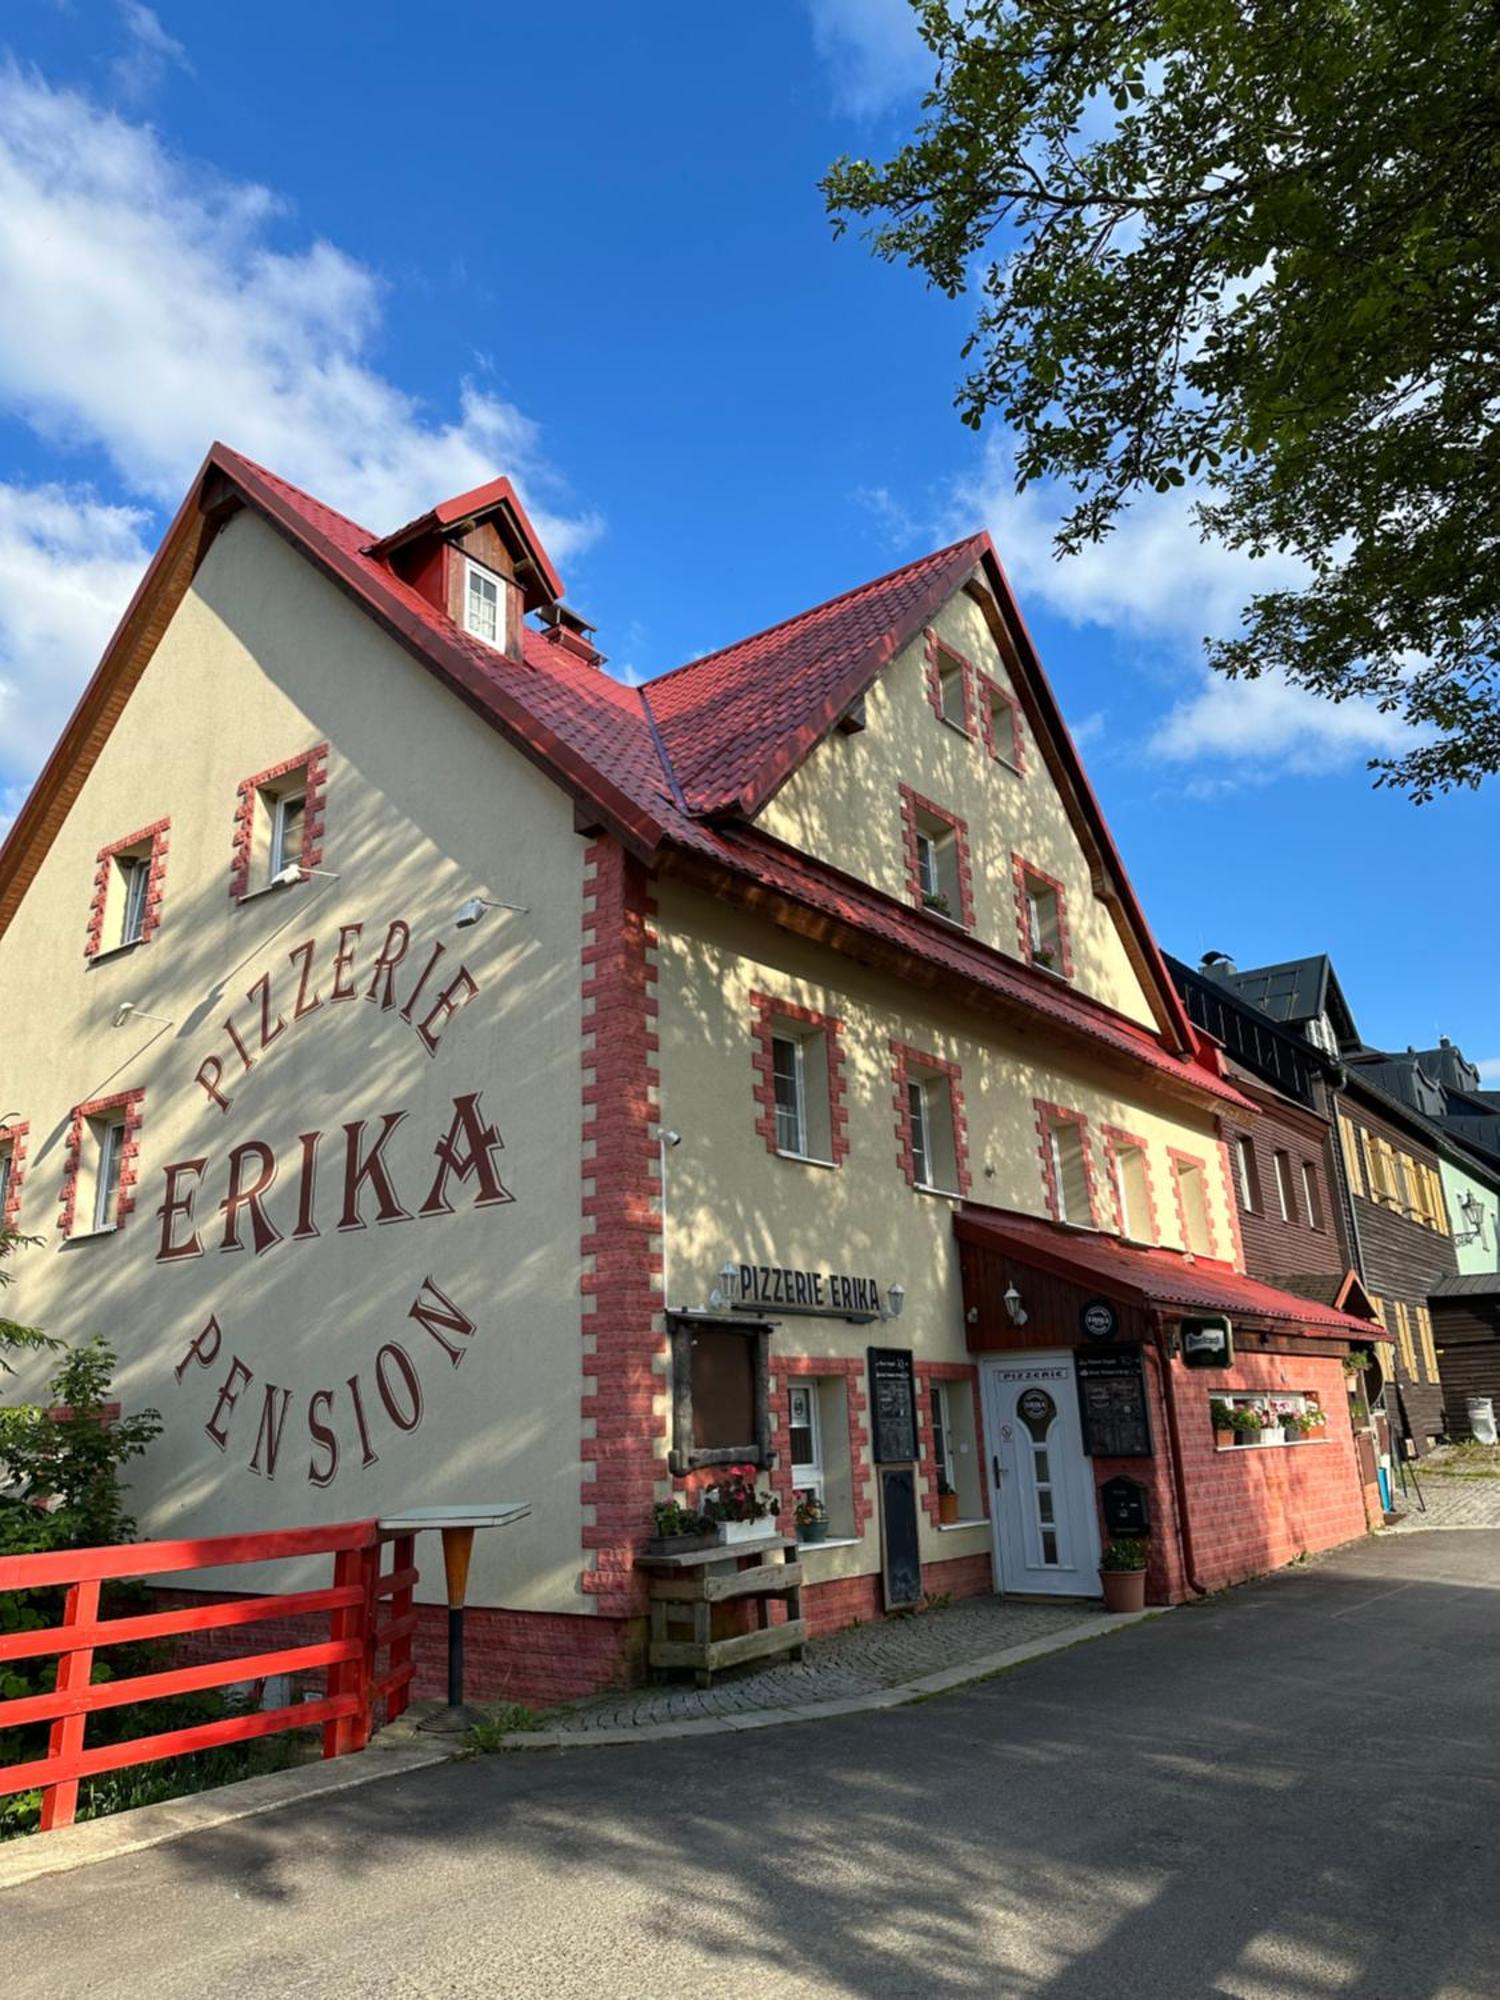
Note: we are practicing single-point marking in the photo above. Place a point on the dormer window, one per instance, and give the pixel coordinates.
(484, 614)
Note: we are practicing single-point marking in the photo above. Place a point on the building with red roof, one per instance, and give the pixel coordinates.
(448, 1073)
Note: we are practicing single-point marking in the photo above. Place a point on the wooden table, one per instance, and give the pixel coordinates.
(687, 1587)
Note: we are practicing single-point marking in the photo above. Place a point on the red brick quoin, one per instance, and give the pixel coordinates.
(911, 803)
(14, 1136)
(1048, 1115)
(132, 1103)
(155, 883)
(625, 1459)
(314, 766)
(766, 1013)
(905, 1058)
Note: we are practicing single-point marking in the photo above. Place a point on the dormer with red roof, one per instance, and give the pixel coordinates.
(478, 559)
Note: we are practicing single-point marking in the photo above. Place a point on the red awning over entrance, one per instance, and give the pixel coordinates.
(1151, 1279)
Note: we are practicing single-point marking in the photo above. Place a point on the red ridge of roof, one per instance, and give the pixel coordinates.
(495, 493)
(1150, 1277)
(737, 722)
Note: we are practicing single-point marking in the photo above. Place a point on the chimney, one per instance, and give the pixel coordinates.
(570, 633)
(1217, 965)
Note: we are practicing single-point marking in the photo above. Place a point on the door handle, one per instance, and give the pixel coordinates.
(995, 1464)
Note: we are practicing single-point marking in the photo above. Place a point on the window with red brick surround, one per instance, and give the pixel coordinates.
(313, 766)
(905, 1059)
(1025, 873)
(939, 655)
(912, 805)
(156, 875)
(1008, 747)
(1180, 1160)
(13, 1140)
(928, 1372)
(1049, 1116)
(1114, 1137)
(133, 1105)
(767, 1011)
(783, 1368)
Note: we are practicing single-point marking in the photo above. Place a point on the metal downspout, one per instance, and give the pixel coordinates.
(1179, 1479)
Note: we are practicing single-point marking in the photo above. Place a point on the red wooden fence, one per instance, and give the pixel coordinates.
(368, 1612)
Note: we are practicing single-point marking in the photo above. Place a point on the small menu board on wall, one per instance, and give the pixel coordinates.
(1112, 1403)
(893, 1404)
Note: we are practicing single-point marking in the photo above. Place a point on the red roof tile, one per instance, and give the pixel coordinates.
(1162, 1278)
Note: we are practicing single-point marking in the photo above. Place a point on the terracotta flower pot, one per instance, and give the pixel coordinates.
(1223, 1440)
(947, 1509)
(1124, 1589)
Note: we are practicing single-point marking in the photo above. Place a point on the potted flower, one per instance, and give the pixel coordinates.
(812, 1518)
(1311, 1422)
(1221, 1415)
(936, 900)
(737, 1507)
(1045, 955)
(947, 1501)
(1122, 1572)
(1248, 1423)
(679, 1530)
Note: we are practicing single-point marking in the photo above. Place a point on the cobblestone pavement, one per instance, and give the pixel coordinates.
(861, 1660)
(1451, 1503)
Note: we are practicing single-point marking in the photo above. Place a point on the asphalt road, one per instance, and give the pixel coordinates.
(1289, 1793)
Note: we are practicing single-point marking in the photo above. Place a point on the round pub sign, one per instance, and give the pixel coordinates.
(1099, 1320)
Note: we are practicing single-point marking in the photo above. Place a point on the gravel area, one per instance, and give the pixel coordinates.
(861, 1660)
(1451, 1501)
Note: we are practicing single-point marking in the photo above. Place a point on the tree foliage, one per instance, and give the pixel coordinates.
(1256, 248)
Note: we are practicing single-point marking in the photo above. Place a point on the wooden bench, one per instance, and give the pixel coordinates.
(686, 1588)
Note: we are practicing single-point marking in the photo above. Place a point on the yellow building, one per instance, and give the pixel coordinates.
(444, 1073)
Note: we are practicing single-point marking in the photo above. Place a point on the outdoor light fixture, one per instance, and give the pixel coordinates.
(128, 1011)
(729, 1279)
(469, 913)
(1014, 1306)
(895, 1299)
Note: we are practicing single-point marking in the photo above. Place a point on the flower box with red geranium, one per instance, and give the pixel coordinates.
(737, 1507)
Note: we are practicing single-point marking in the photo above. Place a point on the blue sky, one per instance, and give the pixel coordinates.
(390, 252)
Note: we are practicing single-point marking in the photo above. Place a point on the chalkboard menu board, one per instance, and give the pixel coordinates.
(898, 1536)
(894, 1403)
(1112, 1403)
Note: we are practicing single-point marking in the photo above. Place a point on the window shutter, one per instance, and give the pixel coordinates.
(1429, 1345)
(1349, 1146)
(1439, 1202)
(1404, 1340)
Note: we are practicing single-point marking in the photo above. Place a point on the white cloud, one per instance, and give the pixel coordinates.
(1156, 579)
(1489, 1070)
(150, 55)
(873, 53)
(149, 310)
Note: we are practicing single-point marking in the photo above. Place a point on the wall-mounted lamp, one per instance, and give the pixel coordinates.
(128, 1011)
(895, 1300)
(469, 913)
(295, 872)
(971, 1317)
(1014, 1306)
(725, 1292)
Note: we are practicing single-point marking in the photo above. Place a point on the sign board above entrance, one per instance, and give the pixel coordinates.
(773, 1288)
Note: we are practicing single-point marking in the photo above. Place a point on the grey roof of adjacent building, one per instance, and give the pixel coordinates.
(1465, 1285)
(1296, 991)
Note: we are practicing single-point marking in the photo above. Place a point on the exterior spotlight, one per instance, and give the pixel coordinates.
(671, 1138)
(469, 913)
(1014, 1306)
(895, 1298)
(294, 872)
(128, 1011)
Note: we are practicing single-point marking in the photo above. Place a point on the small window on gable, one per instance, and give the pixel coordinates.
(126, 908)
(937, 865)
(279, 824)
(484, 604)
(1312, 1195)
(1069, 1175)
(1133, 1191)
(1000, 716)
(953, 690)
(934, 1159)
(1042, 919)
(1247, 1173)
(1192, 1197)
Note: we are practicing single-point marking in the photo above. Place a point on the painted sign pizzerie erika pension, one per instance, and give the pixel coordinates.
(262, 1194)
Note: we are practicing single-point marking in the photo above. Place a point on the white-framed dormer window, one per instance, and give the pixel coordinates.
(109, 1144)
(484, 604)
(288, 814)
(805, 1440)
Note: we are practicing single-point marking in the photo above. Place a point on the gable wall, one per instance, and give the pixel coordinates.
(425, 806)
(844, 805)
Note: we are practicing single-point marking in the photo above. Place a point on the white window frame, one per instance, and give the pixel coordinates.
(1055, 1129)
(921, 1130)
(953, 675)
(7, 1168)
(107, 1167)
(1312, 1195)
(1123, 1149)
(1191, 1176)
(807, 1475)
(281, 804)
(942, 1434)
(1246, 1172)
(929, 879)
(1286, 1187)
(798, 1081)
(473, 570)
(135, 870)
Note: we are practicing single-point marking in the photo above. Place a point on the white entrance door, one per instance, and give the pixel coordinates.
(1046, 1524)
